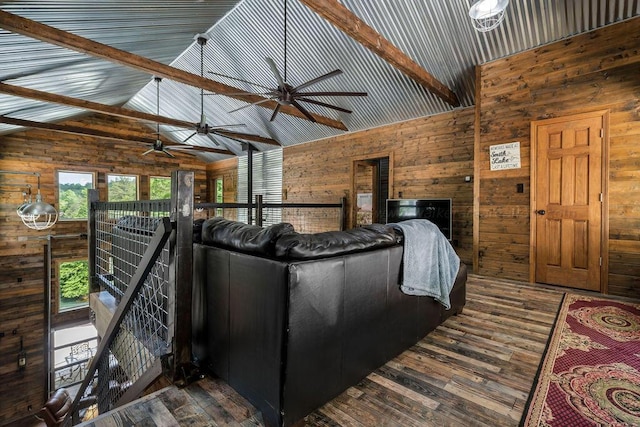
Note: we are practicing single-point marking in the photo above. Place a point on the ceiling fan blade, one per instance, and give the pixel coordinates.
(275, 112)
(318, 79)
(179, 147)
(275, 72)
(332, 93)
(148, 151)
(249, 105)
(239, 80)
(191, 149)
(240, 93)
(303, 110)
(164, 150)
(222, 127)
(190, 136)
(324, 104)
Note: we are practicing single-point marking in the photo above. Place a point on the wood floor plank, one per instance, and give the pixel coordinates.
(476, 369)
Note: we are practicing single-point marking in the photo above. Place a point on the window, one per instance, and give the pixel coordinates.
(160, 188)
(219, 195)
(73, 279)
(122, 188)
(73, 188)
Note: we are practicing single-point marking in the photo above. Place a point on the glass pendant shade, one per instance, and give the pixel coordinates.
(487, 14)
(39, 215)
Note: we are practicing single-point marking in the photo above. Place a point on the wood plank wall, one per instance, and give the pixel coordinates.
(22, 251)
(595, 71)
(431, 157)
(228, 171)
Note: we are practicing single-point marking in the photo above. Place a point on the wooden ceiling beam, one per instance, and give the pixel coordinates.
(96, 133)
(90, 105)
(247, 137)
(45, 33)
(347, 22)
(118, 111)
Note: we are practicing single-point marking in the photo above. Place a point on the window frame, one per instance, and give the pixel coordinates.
(159, 177)
(218, 194)
(137, 180)
(67, 171)
(58, 290)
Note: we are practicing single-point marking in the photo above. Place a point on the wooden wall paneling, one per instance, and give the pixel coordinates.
(228, 170)
(590, 72)
(22, 251)
(431, 157)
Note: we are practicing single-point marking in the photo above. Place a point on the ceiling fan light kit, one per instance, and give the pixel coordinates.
(487, 14)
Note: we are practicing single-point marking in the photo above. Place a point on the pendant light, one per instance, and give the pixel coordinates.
(487, 14)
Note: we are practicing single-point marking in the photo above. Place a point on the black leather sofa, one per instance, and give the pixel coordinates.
(291, 320)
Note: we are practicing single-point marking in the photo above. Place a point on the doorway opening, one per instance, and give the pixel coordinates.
(371, 186)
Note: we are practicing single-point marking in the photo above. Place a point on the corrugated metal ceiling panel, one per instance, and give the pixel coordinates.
(436, 34)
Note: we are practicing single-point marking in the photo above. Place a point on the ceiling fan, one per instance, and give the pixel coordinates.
(287, 94)
(158, 145)
(202, 127)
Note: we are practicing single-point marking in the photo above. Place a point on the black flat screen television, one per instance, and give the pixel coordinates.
(437, 211)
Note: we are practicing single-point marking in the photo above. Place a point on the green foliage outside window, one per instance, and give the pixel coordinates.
(160, 188)
(219, 195)
(73, 188)
(122, 188)
(73, 201)
(74, 284)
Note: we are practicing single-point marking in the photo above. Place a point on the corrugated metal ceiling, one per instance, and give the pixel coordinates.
(437, 34)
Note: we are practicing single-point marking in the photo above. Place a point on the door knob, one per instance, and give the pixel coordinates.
(541, 212)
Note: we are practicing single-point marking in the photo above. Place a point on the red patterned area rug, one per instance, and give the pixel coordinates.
(590, 375)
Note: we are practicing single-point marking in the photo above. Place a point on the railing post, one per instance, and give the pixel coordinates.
(250, 183)
(259, 209)
(180, 269)
(93, 196)
(343, 213)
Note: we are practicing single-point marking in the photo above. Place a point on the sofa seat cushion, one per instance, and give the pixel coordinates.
(243, 237)
(331, 243)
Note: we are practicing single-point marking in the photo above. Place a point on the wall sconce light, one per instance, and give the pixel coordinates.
(487, 14)
(37, 215)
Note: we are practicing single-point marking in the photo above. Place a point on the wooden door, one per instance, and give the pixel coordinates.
(568, 201)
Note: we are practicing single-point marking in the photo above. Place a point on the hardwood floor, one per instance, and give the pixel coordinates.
(476, 369)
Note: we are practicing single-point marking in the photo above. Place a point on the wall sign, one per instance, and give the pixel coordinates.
(505, 156)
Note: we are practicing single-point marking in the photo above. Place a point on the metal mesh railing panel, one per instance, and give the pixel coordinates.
(123, 231)
(310, 218)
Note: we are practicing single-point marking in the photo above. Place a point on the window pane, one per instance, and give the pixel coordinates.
(74, 285)
(122, 188)
(219, 195)
(160, 188)
(72, 194)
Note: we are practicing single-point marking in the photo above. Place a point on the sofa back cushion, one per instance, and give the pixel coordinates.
(242, 237)
(331, 243)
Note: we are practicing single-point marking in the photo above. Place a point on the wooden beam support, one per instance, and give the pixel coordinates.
(96, 133)
(90, 105)
(343, 19)
(246, 136)
(118, 111)
(45, 33)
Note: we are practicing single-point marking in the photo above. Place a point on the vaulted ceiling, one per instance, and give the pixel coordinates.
(376, 48)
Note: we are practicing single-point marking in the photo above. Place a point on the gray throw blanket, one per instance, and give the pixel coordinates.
(430, 262)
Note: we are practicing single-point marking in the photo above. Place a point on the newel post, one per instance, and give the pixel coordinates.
(180, 268)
